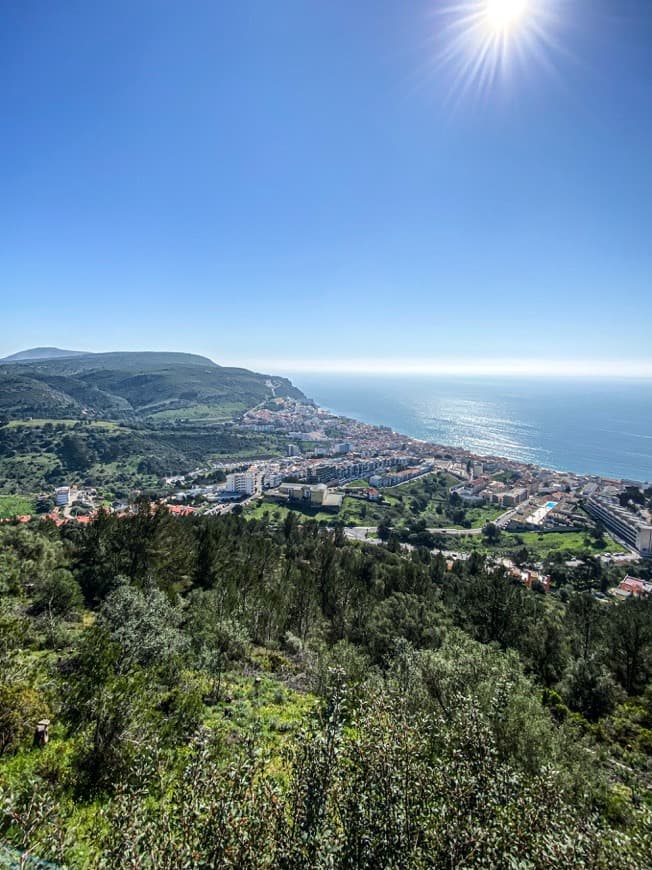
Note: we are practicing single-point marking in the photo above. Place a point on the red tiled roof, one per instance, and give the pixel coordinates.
(180, 510)
(630, 584)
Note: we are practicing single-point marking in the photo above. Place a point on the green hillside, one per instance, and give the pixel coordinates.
(38, 455)
(131, 386)
(121, 421)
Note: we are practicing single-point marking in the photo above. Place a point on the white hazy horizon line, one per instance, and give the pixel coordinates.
(510, 367)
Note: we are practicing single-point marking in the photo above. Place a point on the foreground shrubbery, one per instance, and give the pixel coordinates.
(228, 693)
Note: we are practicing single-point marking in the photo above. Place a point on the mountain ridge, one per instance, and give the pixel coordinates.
(129, 385)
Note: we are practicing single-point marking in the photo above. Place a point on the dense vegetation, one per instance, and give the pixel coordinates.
(39, 455)
(232, 692)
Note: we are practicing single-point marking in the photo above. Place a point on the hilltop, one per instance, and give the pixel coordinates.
(52, 384)
(35, 353)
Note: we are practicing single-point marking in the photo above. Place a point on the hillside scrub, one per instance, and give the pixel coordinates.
(261, 693)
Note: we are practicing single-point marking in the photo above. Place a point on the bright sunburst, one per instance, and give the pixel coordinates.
(503, 14)
(480, 41)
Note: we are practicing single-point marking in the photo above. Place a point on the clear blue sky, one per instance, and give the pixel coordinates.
(279, 183)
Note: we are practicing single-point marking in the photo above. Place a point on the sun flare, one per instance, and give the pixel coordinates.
(486, 42)
(502, 15)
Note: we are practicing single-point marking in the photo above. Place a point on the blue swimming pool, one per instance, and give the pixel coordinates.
(551, 504)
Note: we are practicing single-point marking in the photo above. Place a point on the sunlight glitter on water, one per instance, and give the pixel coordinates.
(588, 426)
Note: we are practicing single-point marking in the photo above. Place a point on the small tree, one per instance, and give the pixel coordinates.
(20, 709)
(491, 534)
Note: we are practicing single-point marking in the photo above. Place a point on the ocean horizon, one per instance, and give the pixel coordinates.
(599, 426)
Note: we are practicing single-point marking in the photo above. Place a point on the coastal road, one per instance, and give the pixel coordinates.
(367, 533)
(361, 533)
(456, 531)
(503, 519)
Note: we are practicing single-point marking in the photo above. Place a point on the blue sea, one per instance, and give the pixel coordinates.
(588, 426)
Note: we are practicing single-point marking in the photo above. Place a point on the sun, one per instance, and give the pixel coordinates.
(487, 43)
(501, 15)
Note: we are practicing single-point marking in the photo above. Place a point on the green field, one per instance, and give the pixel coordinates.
(277, 513)
(358, 512)
(202, 413)
(540, 545)
(483, 514)
(544, 543)
(15, 505)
